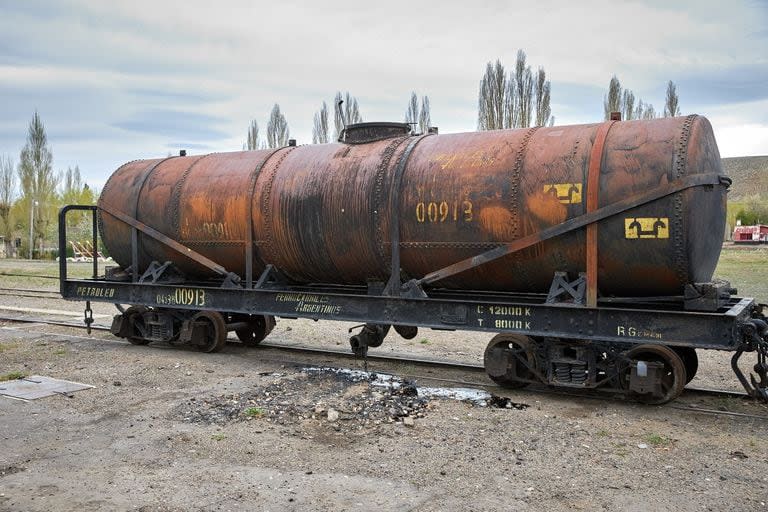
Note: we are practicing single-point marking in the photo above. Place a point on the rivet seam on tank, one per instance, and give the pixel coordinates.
(147, 173)
(104, 193)
(521, 269)
(678, 234)
(268, 243)
(515, 181)
(378, 198)
(176, 198)
(249, 235)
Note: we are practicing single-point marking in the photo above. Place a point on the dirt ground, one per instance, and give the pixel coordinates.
(170, 429)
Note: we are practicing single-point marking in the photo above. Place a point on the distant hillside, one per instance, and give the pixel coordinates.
(749, 175)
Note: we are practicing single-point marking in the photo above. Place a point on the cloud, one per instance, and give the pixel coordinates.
(125, 79)
(733, 84)
(171, 123)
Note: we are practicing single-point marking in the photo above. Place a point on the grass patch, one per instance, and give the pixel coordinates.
(4, 347)
(424, 341)
(25, 274)
(12, 376)
(658, 440)
(218, 437)
(620, 449)
(60, 352)
(254, 412)
(746, 269)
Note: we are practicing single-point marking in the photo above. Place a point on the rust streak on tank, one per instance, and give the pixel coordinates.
(320, 212)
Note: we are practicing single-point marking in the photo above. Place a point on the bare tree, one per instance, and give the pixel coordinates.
(412, 111)
(277, 129)
(7, 195)
(507, 101)
(37, 178)
(543, 109)
(320, 127)
(338, 115)
(625, 102)
(345, 111)
(510, 112)
(75, 191)
(627, 105)
(524, 92)
(425, 117)
(490, 102)
(72, 182)
(671, 107)
(644, 111)
(639, 110)
(418, 116)
(612, 102)
(253, 141)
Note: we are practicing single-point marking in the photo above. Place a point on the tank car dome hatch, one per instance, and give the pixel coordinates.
(362, 133)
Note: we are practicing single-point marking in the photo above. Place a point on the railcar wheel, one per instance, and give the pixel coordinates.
(509, 360)
(690, 360)
(673, 376)
(133, 315)
(259, 327)
(214, 333)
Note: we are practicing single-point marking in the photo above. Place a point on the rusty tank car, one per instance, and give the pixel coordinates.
(324, 212)
(588, 249)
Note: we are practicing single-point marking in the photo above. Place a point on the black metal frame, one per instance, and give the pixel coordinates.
(626, 322)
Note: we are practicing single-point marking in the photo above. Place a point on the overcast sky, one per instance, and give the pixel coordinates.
(118, 80)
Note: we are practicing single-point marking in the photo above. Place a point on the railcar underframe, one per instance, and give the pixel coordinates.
(640, 347)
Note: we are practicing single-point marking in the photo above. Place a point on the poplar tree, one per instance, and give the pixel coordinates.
(320, 133)
(37, 178)
(277, 129)
(7, 195)
(253, 141)
(345, 112)
(671, 107)
(418, 116)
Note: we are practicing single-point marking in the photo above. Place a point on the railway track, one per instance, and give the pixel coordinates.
(30, 292)
(35, 276)
(428, 365)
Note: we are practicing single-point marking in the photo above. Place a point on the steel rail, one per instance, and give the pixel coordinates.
(393, 359)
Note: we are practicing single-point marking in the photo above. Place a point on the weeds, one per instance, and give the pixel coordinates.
(254, 412)
(657, 440)
(12, 376)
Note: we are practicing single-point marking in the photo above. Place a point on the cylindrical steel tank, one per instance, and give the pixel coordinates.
(322, 213)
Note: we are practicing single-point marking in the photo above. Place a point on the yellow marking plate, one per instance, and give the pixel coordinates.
(567, 193)
(646, 227)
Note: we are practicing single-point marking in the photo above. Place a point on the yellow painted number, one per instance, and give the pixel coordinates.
(189, 297)
(441, 211)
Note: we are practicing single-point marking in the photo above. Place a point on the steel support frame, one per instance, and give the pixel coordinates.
(474, 312)
(526, 314)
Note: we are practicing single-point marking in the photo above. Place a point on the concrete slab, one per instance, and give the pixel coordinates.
(37, 386)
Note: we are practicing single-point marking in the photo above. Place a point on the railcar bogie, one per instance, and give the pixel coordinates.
(205, 330)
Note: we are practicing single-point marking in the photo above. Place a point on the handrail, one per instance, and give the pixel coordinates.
(63, 240)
